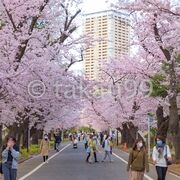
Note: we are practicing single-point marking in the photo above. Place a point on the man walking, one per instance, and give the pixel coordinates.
(58, 139)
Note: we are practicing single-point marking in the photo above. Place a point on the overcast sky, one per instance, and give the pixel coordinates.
(94, 5)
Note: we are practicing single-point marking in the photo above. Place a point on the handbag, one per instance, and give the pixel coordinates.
(166, 158)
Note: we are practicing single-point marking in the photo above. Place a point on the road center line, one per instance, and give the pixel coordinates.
(146, 176)
(42, 164)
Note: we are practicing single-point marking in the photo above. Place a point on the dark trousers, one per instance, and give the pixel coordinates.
(9, 173)
(95, 157)
(86, 145)
(87, 159)
(45, 158)
(161, 172)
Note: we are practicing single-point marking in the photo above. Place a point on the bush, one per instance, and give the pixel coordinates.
(24, 154)
(34, 149)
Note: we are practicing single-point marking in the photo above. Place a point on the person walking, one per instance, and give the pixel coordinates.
(89, 150)
(101, 138)
(161, 157)
(45, 147)
(94, 148)
(138, 161)
(85, 141)
(79, 136)
(107, 149)
(57, 142)
(10, 156)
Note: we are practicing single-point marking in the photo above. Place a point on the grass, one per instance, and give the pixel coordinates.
(33, 150)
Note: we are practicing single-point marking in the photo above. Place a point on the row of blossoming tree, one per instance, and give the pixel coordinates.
(146, 82)
(38, 45)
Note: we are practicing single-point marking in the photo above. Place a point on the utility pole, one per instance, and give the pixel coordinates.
(1, 129)
(117, 137)
(150, 121)
(28, 137)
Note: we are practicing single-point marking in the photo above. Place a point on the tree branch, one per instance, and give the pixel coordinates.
(22, 47)
(10, 17)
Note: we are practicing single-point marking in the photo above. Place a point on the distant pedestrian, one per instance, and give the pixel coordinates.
(90, 149)
(94, 148)
(85, 141)
(57, 141)
(79, 136)
(138, 161)
(10, 156)
(162, 157)
(75, 143)
(45, 147)
(107, 148)
(70, 137)
(101, 138)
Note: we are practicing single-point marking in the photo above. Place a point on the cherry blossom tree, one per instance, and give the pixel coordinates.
(121, 98)
(39, 44)
(155, 26)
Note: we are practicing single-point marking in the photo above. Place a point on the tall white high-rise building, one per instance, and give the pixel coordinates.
(110, 29)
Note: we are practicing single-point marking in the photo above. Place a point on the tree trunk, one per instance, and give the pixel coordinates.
(174, 124)
(25, 135)
(129, 133)
(1, 139)
(174, 117)
(36, 135)
(14, 130)
(162, 123)
(24, 139)
(176, 142)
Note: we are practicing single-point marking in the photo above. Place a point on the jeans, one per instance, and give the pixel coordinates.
(57, 146)
(86, 145)
(9, 173)
(161, 172)
(107, 153)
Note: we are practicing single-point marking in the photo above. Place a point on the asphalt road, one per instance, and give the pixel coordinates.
(70, 164)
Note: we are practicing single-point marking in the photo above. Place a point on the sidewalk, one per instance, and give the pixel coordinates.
(28, 165)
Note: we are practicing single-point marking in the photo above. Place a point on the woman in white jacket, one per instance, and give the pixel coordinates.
(161, 156)
(107, 148)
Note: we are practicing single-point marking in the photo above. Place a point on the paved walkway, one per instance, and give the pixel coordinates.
(69, 164)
